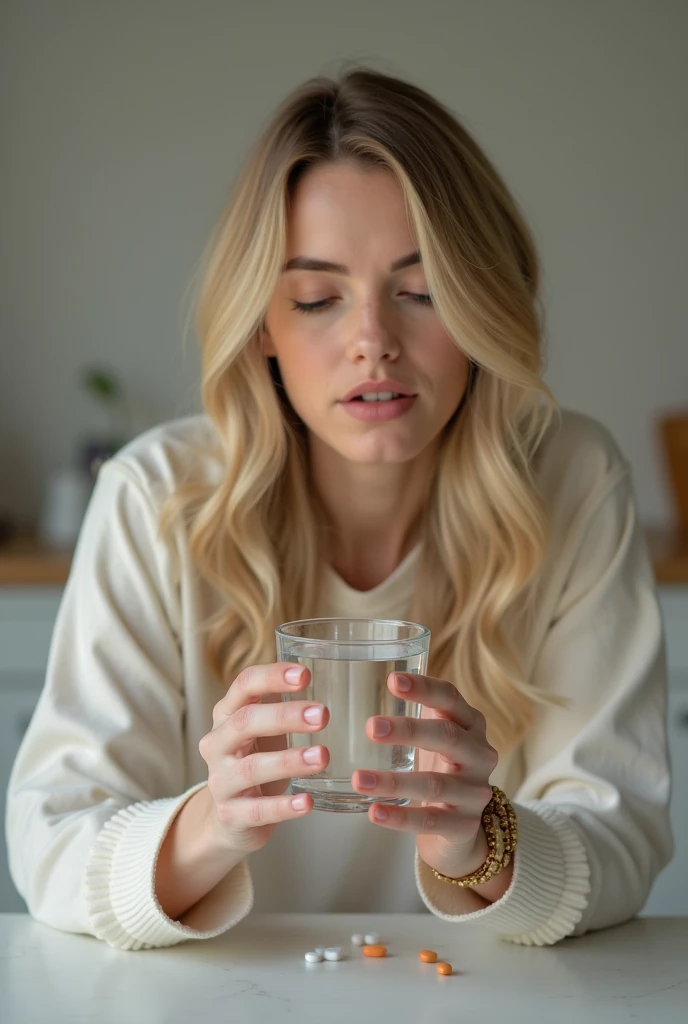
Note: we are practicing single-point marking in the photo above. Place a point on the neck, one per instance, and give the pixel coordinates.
(374, 511)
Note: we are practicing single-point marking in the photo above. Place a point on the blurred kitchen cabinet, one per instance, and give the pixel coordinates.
(27, 617)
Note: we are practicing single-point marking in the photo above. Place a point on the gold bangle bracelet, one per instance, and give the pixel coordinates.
(501, 831)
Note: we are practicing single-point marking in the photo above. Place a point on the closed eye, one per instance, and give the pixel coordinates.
(312, 307)
(317, 307)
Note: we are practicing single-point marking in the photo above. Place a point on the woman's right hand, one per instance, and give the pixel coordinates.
(249, 764)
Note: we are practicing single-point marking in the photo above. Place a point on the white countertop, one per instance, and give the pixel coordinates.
(256, 973)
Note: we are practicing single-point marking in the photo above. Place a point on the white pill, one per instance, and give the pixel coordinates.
(372, 939)
(320, 950)
(314, 957)
(357, 939)
(333, 953)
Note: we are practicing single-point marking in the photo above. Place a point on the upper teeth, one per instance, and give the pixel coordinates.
(379, 396)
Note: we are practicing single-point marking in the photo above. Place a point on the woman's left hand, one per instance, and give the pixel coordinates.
(451, 789)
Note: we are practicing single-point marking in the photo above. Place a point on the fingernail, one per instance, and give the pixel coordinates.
(381, 813)
(299, 803)
(312, 755)
(404, 683)
(366, 780)
(381, 727)
(293, 675)
(314, 714)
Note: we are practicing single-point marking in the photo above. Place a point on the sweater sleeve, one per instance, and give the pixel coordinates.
(592, 810)
(100, 773)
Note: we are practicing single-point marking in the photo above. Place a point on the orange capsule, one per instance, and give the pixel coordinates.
(444, 968)
(428, 956)
(375, 951)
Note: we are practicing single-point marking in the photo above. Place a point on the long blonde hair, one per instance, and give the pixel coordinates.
(258, 537)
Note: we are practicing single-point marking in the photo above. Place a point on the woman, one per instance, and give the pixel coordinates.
(368, 249)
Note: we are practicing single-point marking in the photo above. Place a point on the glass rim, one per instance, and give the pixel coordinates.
(423, 631)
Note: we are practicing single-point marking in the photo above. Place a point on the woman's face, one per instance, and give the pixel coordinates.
(371, 322)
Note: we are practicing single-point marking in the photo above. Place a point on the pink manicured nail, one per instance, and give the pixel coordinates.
(293, 675)
(404, 683)
(381, 727)
(314, 714)
(313, 755)
(381, 813)
(366, 780)
(299, 803)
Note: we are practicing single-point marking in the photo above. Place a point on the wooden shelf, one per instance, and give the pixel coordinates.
(24, 561)
(669, 554)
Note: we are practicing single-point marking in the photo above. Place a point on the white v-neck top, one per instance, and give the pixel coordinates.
(111, 753)
(393, 594)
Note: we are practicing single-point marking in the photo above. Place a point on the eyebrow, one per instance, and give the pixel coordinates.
(309, 263)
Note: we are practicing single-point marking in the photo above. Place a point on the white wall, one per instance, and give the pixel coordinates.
(122, 125)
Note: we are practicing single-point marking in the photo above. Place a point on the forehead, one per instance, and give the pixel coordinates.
(340, 210)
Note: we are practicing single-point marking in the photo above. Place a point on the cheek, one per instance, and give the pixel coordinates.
(305, 375)
(307, 365)
(446, 364)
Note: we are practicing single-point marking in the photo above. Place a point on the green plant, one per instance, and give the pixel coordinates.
(105, 387)
(102, 384)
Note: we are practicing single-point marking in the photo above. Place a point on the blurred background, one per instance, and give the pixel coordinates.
(123, 125)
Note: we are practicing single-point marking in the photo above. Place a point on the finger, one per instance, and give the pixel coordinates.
(238, 733)
(449, 823)
(436, 787)
(440, 735)
(243, 814)
(262, 769)
(434, 693)
(254, 720)
(258, 681)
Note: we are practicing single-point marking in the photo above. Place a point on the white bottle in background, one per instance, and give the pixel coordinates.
(65, 500)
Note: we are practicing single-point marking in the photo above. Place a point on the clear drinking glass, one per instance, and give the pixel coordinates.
(350, 661)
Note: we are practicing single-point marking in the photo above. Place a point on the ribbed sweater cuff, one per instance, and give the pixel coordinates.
(120, 883)
(549, 888)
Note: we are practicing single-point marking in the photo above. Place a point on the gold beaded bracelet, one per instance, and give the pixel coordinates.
(501, 830)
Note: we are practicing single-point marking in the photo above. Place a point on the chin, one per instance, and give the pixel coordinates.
(381, 451)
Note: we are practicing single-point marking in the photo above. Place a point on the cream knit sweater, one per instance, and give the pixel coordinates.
(112, 751)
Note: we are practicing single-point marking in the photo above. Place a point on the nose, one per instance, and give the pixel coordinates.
(373, 338)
